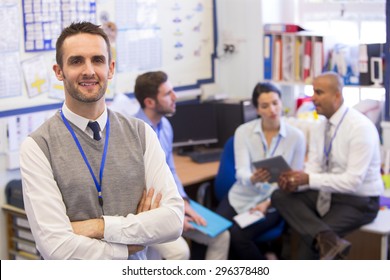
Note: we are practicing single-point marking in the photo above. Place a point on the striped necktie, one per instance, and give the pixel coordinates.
(324, 198)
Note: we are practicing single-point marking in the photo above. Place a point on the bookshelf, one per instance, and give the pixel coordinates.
(21, 244)
(294, 57)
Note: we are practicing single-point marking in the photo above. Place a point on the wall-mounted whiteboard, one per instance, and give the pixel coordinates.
(176, 36)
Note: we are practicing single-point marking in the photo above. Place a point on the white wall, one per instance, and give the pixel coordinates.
(240, 22)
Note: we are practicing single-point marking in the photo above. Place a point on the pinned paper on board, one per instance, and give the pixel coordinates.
(36, 76)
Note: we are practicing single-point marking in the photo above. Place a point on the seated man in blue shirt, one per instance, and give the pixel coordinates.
(157, 99)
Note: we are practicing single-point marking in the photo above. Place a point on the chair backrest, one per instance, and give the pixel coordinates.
(226, 175)
(225, 179)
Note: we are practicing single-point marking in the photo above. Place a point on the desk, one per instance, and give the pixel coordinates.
(191, 173)
(370, 242)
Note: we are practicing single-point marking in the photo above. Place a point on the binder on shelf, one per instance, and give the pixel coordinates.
(318, 56)
(268, 54)
(277, 59)
(24, 246)
(307, 57)
(21, 222)
(24, 234)
(281, 28)
(288, 45)
(298, 56)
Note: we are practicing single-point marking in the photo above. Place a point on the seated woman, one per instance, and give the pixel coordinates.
(259, 139)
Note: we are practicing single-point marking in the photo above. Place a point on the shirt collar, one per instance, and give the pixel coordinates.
(336, 117)
(141, 115)
(82, 122)
(282, 130)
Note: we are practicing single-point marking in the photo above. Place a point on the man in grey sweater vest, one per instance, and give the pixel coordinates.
(95, 184)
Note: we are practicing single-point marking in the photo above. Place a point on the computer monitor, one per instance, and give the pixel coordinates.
(194, 124)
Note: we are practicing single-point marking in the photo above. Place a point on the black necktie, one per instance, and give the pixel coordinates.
(96, 130)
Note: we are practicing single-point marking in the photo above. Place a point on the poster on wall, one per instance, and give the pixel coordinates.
(43, 20)
(10, 75)
(36, 76)
(10, 72)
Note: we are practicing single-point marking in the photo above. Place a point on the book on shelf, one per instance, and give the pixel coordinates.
(318, 57)
(268, 55)
(298, 51)
(307, 57)
(288, 44)
(277, 59)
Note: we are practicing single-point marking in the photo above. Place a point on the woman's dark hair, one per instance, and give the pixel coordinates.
(261, 88)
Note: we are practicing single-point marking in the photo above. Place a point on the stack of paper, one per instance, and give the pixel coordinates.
(247, 218)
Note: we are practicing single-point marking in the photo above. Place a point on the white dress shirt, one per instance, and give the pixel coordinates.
(250, 146)
(142, 229)
(354, 159)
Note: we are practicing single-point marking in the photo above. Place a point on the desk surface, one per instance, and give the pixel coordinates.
(381, 224)
(191, 172)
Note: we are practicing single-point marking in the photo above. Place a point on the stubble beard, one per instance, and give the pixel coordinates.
(78, 95)
(165, 112)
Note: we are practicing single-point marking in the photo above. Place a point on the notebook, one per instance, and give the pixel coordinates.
(216, 224)
(247, 218)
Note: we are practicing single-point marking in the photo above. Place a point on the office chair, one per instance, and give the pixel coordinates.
(225, 179)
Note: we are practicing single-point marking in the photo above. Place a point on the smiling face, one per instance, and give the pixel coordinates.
(86, 68)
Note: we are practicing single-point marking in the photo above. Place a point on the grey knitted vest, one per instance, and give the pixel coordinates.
(124, 172)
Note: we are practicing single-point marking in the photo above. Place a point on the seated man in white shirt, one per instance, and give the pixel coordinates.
(339, 190)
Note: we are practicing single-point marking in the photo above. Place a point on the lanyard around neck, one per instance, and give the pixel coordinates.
(329, 148)
(97, 183)
(273, 151)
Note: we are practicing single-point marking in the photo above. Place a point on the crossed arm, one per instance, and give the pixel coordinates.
(94, 228)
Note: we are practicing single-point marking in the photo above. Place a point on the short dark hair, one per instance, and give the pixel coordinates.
(147, 84)
(261, 88)
(78, 28)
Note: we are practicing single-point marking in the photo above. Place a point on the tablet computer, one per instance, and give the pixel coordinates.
(274, 165)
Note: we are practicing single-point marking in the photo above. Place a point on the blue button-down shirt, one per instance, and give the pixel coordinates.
(164, 133)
